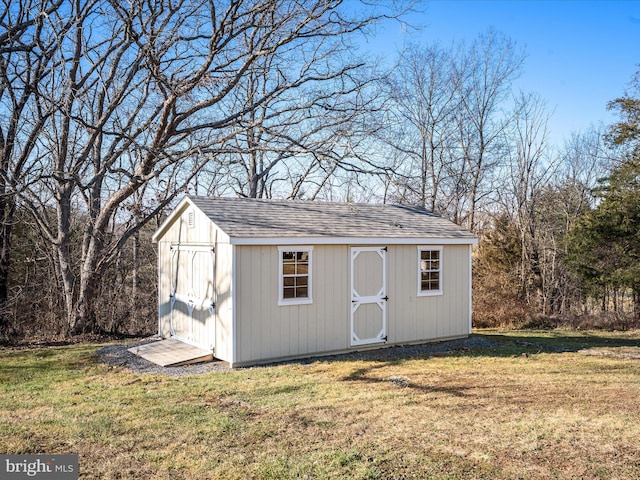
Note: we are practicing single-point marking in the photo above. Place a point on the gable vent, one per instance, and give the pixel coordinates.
(191, 219)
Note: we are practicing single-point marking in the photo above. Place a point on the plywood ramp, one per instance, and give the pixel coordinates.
(171, 353)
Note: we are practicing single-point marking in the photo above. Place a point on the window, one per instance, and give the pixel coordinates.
(429, 271)
(295, 275)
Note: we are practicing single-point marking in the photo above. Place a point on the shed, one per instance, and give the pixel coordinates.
(254, 280)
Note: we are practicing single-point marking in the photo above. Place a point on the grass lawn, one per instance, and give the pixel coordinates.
(542, 405)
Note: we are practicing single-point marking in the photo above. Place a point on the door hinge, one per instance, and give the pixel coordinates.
(385, 249)
(385, 298)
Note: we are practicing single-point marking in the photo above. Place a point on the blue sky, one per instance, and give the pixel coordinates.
(580, 54)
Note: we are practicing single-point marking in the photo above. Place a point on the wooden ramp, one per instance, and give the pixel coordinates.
(171, 353)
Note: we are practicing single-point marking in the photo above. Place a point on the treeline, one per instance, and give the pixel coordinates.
(109, 112)
(570, 254)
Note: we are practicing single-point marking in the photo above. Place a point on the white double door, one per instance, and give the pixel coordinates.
(368, 295)
(192, 295)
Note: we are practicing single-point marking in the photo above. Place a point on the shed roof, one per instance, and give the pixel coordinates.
(247, 220)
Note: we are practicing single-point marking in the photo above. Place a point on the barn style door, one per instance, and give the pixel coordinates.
(192, 295)
(368, 295)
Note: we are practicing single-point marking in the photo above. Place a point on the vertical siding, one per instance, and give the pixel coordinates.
(266, 330)
(413, 318)
(224, 302)
(164, 288)
(204, 232)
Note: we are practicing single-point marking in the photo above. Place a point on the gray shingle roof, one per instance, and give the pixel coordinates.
(259, 218)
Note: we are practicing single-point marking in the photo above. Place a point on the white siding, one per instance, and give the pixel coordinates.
(268, 331)
(224, 303)
(164, 288)
(413, 318)
(203, 232)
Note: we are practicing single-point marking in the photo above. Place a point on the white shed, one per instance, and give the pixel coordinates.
(261, 280)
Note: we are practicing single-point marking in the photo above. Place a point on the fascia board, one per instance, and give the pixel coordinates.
(351, 241)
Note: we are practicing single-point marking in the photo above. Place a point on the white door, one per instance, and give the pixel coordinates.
(368, 295)
(192, 295)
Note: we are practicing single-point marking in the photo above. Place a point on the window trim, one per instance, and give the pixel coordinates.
(295, 301)
(429, 293)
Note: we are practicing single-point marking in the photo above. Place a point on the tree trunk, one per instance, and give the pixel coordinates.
(7, 210)
(85, 320)
(471, 215)
(135, 272)
(63, 250)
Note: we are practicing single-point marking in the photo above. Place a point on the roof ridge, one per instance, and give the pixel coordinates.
(320, 201)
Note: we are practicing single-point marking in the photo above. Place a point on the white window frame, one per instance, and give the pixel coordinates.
(430, 248)
(295, 301)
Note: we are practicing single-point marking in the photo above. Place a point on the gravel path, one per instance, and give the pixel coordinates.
(118, 355)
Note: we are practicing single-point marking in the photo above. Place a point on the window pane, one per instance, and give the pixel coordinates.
(429, 260)
(430, 281)
(295, 269)
(430, 265)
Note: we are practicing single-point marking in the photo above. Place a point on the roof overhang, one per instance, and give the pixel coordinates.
(353, 241)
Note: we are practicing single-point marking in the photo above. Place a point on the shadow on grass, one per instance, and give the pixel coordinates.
(362, 375)
(508, 344)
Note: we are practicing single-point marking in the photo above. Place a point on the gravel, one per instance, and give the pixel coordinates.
(118, 355)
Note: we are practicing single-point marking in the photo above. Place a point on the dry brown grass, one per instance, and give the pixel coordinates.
(518, 411)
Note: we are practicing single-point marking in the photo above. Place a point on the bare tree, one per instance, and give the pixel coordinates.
(530, 169)
(421, 126)
(581, 162)
(303, 136)
(584, 159)
(483, 78)
(27, 50)
(450, 111)
(143, 95)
